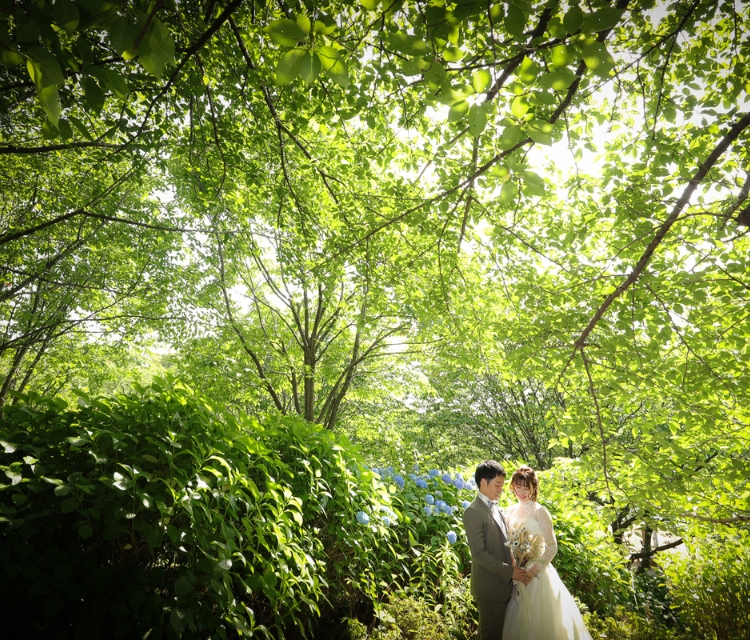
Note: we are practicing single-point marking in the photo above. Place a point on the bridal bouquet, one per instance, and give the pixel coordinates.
(525, 546)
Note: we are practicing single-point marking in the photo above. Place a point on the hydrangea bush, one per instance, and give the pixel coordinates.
(157, 515)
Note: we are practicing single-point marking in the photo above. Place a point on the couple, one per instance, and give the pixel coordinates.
(539, 607)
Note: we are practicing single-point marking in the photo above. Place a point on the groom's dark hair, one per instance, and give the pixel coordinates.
(489, 470)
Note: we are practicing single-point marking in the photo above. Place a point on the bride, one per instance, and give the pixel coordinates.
(543, 610)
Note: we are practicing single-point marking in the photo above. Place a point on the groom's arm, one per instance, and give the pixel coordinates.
(474, 527)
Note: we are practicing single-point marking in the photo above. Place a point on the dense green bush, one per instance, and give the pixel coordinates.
(710, 585)
(622, 624)
(156, 515)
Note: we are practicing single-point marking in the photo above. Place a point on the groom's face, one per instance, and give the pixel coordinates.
(492, 488)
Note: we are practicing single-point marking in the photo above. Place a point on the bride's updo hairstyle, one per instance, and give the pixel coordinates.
(525, 477)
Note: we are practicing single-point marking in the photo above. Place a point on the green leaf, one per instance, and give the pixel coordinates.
(309, 67)
(515, 21)
(123, 34)
(408, 44)
(183, 587)
(573, 19)
(27, 31)
(528, 70)
(156, 50)
(435, 75)
(289, 66)
(286, 33)
(452, 54)
(509, 193)
(519, 107)
(481, 80)
(94, 94)
(8, 447)
(561, 56)
(370, 5)
(114, 81)
(333, 65)
(86, 530)
(46, 69)
(601, 20)
(65, 130)
(10, 58)
(458, 110)
(324, 24)
(49, 132)
(477, 119)
(304, 23)
(270, 579)
(557, 80)
(510, 137)
(66, 16)
(597, 58)
(533, 183)
(540, 131)
(178, 619)
(49, 99)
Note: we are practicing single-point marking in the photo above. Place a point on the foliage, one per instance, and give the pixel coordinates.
(154, 511)
(406, 617)
(710, 585)
(622, 624)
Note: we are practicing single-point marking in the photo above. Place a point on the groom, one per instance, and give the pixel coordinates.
(492, 569)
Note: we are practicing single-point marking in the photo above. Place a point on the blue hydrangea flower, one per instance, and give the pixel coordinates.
(412, 477)
(451, 535)
(459, 477)
(429, 499)
(459, 484)
(362, 517)
(427, 510)
(465, 504)
(434, 473)
(399, 481)
(415, 468)
(421, 483)
(448, 509)
(440, 504)
(386, 521)
(447, 478)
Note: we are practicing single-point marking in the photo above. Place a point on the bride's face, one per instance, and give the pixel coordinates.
(523, 492)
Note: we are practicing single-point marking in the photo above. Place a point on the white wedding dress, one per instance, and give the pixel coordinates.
(544, 609)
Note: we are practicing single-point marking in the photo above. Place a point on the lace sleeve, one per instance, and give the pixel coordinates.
(545, 524)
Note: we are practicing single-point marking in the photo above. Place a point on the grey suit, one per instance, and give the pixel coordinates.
(491, 568)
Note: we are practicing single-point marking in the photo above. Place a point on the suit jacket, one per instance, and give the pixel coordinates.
(491, 563)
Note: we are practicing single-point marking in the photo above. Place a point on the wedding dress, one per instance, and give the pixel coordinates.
(544, 609)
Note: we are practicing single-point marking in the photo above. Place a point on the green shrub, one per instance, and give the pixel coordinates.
(156, 515)
(621, 624)
(406, 617)
(711, 585)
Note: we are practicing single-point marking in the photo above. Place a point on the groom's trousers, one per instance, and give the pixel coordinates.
(491, 619)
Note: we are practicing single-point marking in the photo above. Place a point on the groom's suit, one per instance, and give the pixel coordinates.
(491, 567)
